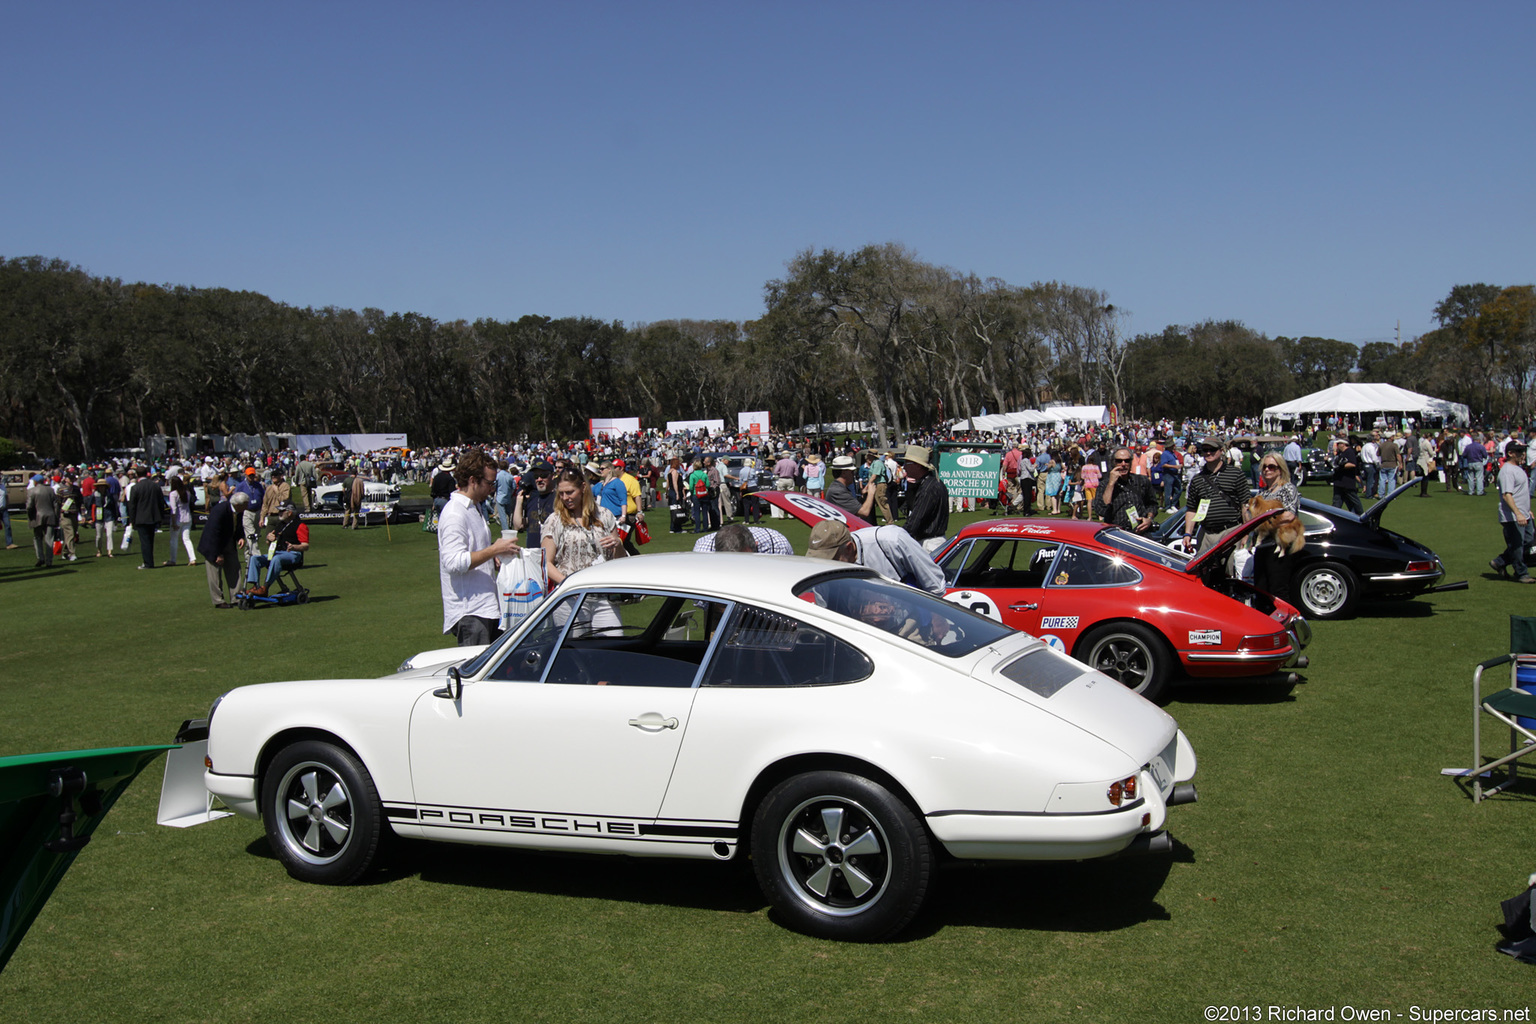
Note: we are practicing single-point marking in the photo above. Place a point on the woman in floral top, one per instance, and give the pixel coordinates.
(578, 533)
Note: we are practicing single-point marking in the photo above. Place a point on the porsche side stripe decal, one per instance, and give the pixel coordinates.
(496, 819)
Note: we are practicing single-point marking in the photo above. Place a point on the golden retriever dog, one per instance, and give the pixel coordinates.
(1290, 537)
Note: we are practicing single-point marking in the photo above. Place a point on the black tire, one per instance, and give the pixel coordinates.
(1327, 590)
(303, 597)
(323, 815)
(863, 884)
(1131, 654)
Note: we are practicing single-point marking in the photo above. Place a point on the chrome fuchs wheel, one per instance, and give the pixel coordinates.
(835, 854)
(840, 856)
(1131, 654)
(315, 819)
(322, 814)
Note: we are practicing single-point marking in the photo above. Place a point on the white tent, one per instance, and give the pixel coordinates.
(1003, 421)
(1367, 398)
(1081, 414)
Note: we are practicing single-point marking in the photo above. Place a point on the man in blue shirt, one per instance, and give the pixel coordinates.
(1169, 470)
(611, 493)
(503, 499)
(1292, 455)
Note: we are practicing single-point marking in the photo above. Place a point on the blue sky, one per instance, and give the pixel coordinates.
(1326, 169)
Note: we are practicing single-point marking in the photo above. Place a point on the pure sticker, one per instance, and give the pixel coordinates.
(1059, 622)
(1207, 637)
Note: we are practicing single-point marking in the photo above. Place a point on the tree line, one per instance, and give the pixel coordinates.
(89, 363)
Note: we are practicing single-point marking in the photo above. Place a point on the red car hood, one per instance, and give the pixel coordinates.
(1219, 551)
(809, 510)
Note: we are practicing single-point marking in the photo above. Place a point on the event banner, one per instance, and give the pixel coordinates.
(971, 474)
(710, 427)
(613, 426)
(754, 423)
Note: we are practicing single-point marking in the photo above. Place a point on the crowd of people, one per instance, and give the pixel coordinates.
(587, 500)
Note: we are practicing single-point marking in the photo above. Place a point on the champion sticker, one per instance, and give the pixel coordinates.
(1207, 637)
(1054, 641)
(1059, 622)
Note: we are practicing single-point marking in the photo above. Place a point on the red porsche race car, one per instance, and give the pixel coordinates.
(1115, 600)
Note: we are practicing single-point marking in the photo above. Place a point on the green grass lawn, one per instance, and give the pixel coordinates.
(1328, 863)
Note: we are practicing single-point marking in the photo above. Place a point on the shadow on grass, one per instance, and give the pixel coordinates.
(1398, 610)
(705, 885)
(1233, 691)
(1522, 790)
(1048, 896)
(33, 573)
(1034, 896)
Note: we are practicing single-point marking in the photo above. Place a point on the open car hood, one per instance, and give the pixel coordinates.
(809, 510)
(1372, 516)
(1219, 551)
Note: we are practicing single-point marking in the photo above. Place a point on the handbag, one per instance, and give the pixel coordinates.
(642, 532)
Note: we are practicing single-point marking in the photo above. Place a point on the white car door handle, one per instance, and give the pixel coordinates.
(651, 721)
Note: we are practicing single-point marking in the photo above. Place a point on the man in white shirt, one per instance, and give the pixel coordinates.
(466, 555)
(1370, 463)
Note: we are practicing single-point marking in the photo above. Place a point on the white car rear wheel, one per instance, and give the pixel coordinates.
(840, 856)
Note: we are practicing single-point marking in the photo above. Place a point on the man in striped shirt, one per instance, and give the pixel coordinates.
(1217, 494)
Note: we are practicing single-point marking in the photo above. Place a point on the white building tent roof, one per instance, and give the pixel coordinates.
(1358, 398)
(1083, 414)
(1001, 421)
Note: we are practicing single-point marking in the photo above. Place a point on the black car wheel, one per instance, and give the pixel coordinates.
(1130, 653)
(840, 856)
(1327, 590)
(323, 815)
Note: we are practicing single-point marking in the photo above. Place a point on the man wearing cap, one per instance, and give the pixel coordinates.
(290, 539)
(1346, 476)
(888, 550)
(251, 486)
(1217, 494)
(535, 503)
(840, 490)
(1514, 512)
(928, 503)
(218, 546)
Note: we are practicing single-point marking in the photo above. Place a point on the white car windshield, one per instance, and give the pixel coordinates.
(913, 615)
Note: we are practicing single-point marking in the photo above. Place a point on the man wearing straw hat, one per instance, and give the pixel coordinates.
(928, 504)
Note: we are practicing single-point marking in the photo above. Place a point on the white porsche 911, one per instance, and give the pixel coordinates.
(842, 729)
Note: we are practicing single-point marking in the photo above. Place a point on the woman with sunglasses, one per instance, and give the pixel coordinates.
(1271, 570)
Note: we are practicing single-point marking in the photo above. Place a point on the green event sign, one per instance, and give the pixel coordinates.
(971, 474)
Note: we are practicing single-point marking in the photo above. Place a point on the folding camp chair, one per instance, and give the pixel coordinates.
(1507, 705)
